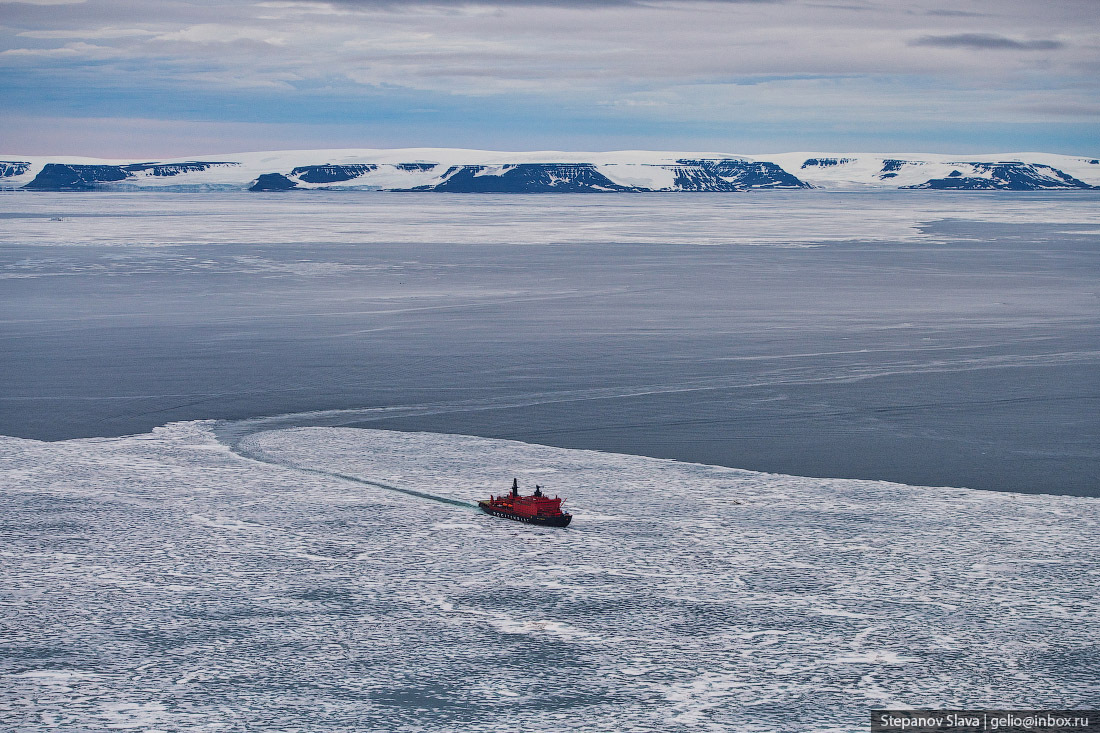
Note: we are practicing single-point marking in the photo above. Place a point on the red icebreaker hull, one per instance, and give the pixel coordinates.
(562, 519)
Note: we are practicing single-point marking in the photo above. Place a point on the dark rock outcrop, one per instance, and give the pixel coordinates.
(526, 178)
(272, 182)
(61, 177)
(331, 173)
(173, 169)
(65, 177)
(825, 162)
(9, 168)
(1008, 176)
(891, 166)
(731, 174)
(690, 175)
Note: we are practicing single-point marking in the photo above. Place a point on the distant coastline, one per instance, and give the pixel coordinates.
(446, 170)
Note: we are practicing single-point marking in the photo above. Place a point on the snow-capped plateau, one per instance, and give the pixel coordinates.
(479, 171)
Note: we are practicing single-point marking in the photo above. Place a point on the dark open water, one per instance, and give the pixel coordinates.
(967, 355)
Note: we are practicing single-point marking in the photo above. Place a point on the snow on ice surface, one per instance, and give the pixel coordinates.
(776, 218)
(163, 582)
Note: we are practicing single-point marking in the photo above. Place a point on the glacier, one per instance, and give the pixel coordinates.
(479, 171)
(207, 576)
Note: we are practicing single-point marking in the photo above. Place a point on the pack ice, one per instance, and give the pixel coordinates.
(169, 582)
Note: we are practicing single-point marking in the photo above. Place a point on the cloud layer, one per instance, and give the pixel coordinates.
(987, 41)
(636, 70)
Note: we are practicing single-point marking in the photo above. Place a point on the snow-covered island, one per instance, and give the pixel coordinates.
(479, 171)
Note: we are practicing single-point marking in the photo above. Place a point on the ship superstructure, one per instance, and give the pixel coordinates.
(534, 509)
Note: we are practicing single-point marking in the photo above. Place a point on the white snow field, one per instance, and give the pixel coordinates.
(777, 219)
(163, 582)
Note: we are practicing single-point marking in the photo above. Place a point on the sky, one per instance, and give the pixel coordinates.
(168, 78)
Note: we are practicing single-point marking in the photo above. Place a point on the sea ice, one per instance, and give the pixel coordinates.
(159, 582)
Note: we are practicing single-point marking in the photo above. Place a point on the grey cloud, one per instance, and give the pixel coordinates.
(839, 6)
(956, 14)
(986, 41)
(1062, 109)
(682, 59)
(572, 4)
